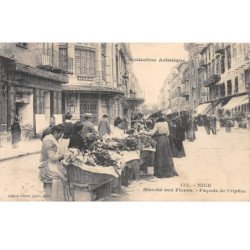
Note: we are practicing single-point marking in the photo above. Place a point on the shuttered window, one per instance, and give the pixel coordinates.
(85, 62)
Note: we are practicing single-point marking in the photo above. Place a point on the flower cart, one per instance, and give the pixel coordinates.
(88, 183)
(91, 175)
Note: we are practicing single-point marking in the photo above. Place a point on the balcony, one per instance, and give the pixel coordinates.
(211, 80)
(54, 61)
(202, 64)
(219, 48)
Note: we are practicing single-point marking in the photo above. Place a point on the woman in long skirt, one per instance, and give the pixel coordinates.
(179, 137)
(163, 165)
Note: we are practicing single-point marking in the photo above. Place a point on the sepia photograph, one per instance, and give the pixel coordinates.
(124, 121)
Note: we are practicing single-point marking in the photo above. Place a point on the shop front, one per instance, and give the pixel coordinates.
(34, 96)
(80, 99)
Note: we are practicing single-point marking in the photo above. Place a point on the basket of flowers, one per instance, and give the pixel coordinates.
(94, 168)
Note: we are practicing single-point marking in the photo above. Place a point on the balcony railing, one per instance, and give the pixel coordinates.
(54, 61)
(83, 78)
(211, 80)
(219, 47)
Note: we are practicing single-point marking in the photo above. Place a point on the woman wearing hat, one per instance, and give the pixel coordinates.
(51, 168)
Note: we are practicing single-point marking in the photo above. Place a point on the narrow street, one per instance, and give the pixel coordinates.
(221, 161)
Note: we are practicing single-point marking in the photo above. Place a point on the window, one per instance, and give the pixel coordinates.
(228, 51)
(63, 58)
(241, 48)
(229, 87)
(234, 51)
(209, 70)
(103, 61)
(213, 67)
(85, 62)
(222, 63)
(236, 85)
(217, 71)
(222, 90)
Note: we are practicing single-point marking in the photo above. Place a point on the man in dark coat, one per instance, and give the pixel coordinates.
(15, 130)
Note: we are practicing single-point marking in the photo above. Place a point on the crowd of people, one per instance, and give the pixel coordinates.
(169, 132)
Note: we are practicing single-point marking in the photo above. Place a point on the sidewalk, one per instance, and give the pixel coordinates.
(26, 147)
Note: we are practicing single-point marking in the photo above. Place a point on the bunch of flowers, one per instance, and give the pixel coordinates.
(132, 142)
(74, 156)
(102, 157)
(147, 141)
(91, 141)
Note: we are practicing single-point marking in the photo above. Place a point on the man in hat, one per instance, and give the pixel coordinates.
(88, 126)
(104, 127)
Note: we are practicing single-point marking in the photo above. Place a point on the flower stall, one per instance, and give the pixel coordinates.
(106, 164)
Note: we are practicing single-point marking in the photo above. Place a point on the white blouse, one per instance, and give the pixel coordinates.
(159, 128)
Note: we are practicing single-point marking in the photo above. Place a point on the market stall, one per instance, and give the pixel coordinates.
(104, 165)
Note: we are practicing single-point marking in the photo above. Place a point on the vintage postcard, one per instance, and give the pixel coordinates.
(124, 121)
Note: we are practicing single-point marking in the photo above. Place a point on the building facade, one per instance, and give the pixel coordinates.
(216, 74)
(101, 80)
(176, 89)
(224, 71)
(31, 78)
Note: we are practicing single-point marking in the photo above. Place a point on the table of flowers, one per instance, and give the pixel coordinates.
(108, 163)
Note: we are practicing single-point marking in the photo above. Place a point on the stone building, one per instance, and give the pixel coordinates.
(198, 93)
(133, 98)
(178, 88)
(224, 70)
(101, 79)
(31, 78)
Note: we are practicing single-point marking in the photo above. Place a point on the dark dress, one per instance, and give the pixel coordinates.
(172, 137)
(76, 141)
(15, 132)
(164, 165)
(68, 130)
(179, 138)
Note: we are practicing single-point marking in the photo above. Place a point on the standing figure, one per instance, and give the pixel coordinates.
(163, 165)
(228, 122)
(190, 130)
(15, 130)
(68, 129)
(51, 169)
(88, 126)
(207, 124)
(179, 136)
(213, 124)
(76, 140)
(104, 127)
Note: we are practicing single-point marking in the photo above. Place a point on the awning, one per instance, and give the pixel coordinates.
(235, 102)
(202, 109)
